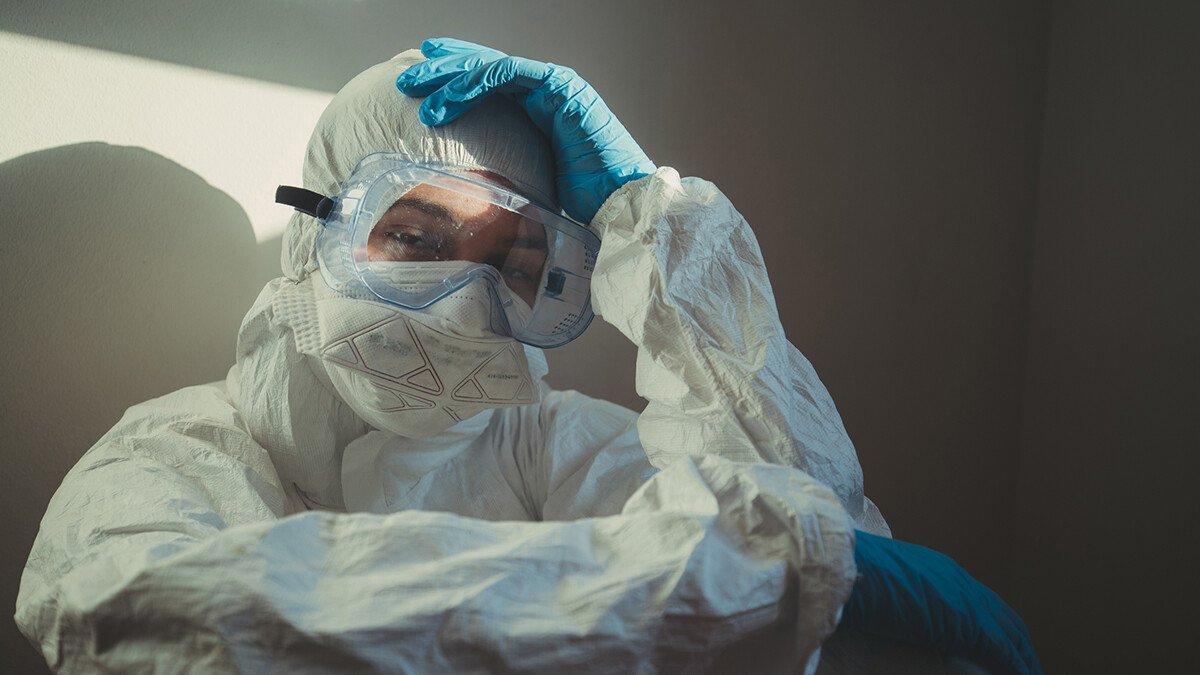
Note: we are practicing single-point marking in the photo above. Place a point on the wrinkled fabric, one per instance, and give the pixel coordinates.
(186, 580)
(680, 274)
(414, 373)
(714, 530)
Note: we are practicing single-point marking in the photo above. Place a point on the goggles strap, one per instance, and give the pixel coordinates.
(314, 204)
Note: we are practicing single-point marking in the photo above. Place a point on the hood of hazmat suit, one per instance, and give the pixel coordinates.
(287, 331)
(263, 522)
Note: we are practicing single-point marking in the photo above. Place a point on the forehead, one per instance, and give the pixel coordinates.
(474, 217)
(464, 208)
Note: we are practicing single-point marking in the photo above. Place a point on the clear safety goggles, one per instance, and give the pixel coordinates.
(536, 263)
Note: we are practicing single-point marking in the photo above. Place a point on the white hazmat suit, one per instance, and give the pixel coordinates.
(259, 524)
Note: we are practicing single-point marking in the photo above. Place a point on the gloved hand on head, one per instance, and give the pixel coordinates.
(593, 153)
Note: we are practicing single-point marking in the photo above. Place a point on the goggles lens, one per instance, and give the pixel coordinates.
(428, 223)
(538, 263)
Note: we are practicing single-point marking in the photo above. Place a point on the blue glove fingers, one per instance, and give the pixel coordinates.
(999, 636)
(506, 75)
(601, 154)
(586, 126)
(1008, 643)
(426, 77)
(556, 107)
(593, 152)
(447, 58)
(448, 46)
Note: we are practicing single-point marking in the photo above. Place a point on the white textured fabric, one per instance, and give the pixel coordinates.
(680, 274)
(417, 373)
(567, 535)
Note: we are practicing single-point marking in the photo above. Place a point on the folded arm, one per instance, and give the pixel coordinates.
(168, 546)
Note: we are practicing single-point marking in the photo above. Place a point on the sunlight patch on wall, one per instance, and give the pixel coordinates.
(243, 136)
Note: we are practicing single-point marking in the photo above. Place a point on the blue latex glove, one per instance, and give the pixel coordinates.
(918, 596)
(593, 153)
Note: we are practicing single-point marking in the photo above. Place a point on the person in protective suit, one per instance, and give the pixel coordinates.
(385, 482)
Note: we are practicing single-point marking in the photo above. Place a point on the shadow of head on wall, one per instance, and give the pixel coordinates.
(125, 275)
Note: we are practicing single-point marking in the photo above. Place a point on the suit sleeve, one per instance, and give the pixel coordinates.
(680, 273)
(171, 547)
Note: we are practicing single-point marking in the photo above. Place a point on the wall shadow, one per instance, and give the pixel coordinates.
(125, 277)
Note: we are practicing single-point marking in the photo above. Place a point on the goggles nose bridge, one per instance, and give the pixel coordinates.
(494, 294)
(477, 272)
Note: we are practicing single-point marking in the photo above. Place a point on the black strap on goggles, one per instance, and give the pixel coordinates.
(305, 201)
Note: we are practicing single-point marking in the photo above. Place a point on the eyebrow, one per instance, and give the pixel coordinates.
(438, 211)
(424, 206)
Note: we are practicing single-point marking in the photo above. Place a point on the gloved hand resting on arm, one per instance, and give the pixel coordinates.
(915, 595)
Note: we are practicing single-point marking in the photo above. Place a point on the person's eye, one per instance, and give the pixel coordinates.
(411, 240)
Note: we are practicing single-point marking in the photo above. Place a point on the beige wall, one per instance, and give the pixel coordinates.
(1108, 543)
(886, 155)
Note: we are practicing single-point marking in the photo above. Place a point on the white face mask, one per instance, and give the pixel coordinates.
(417, 373)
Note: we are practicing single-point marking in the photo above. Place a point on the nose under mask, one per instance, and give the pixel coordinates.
(416, 373)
